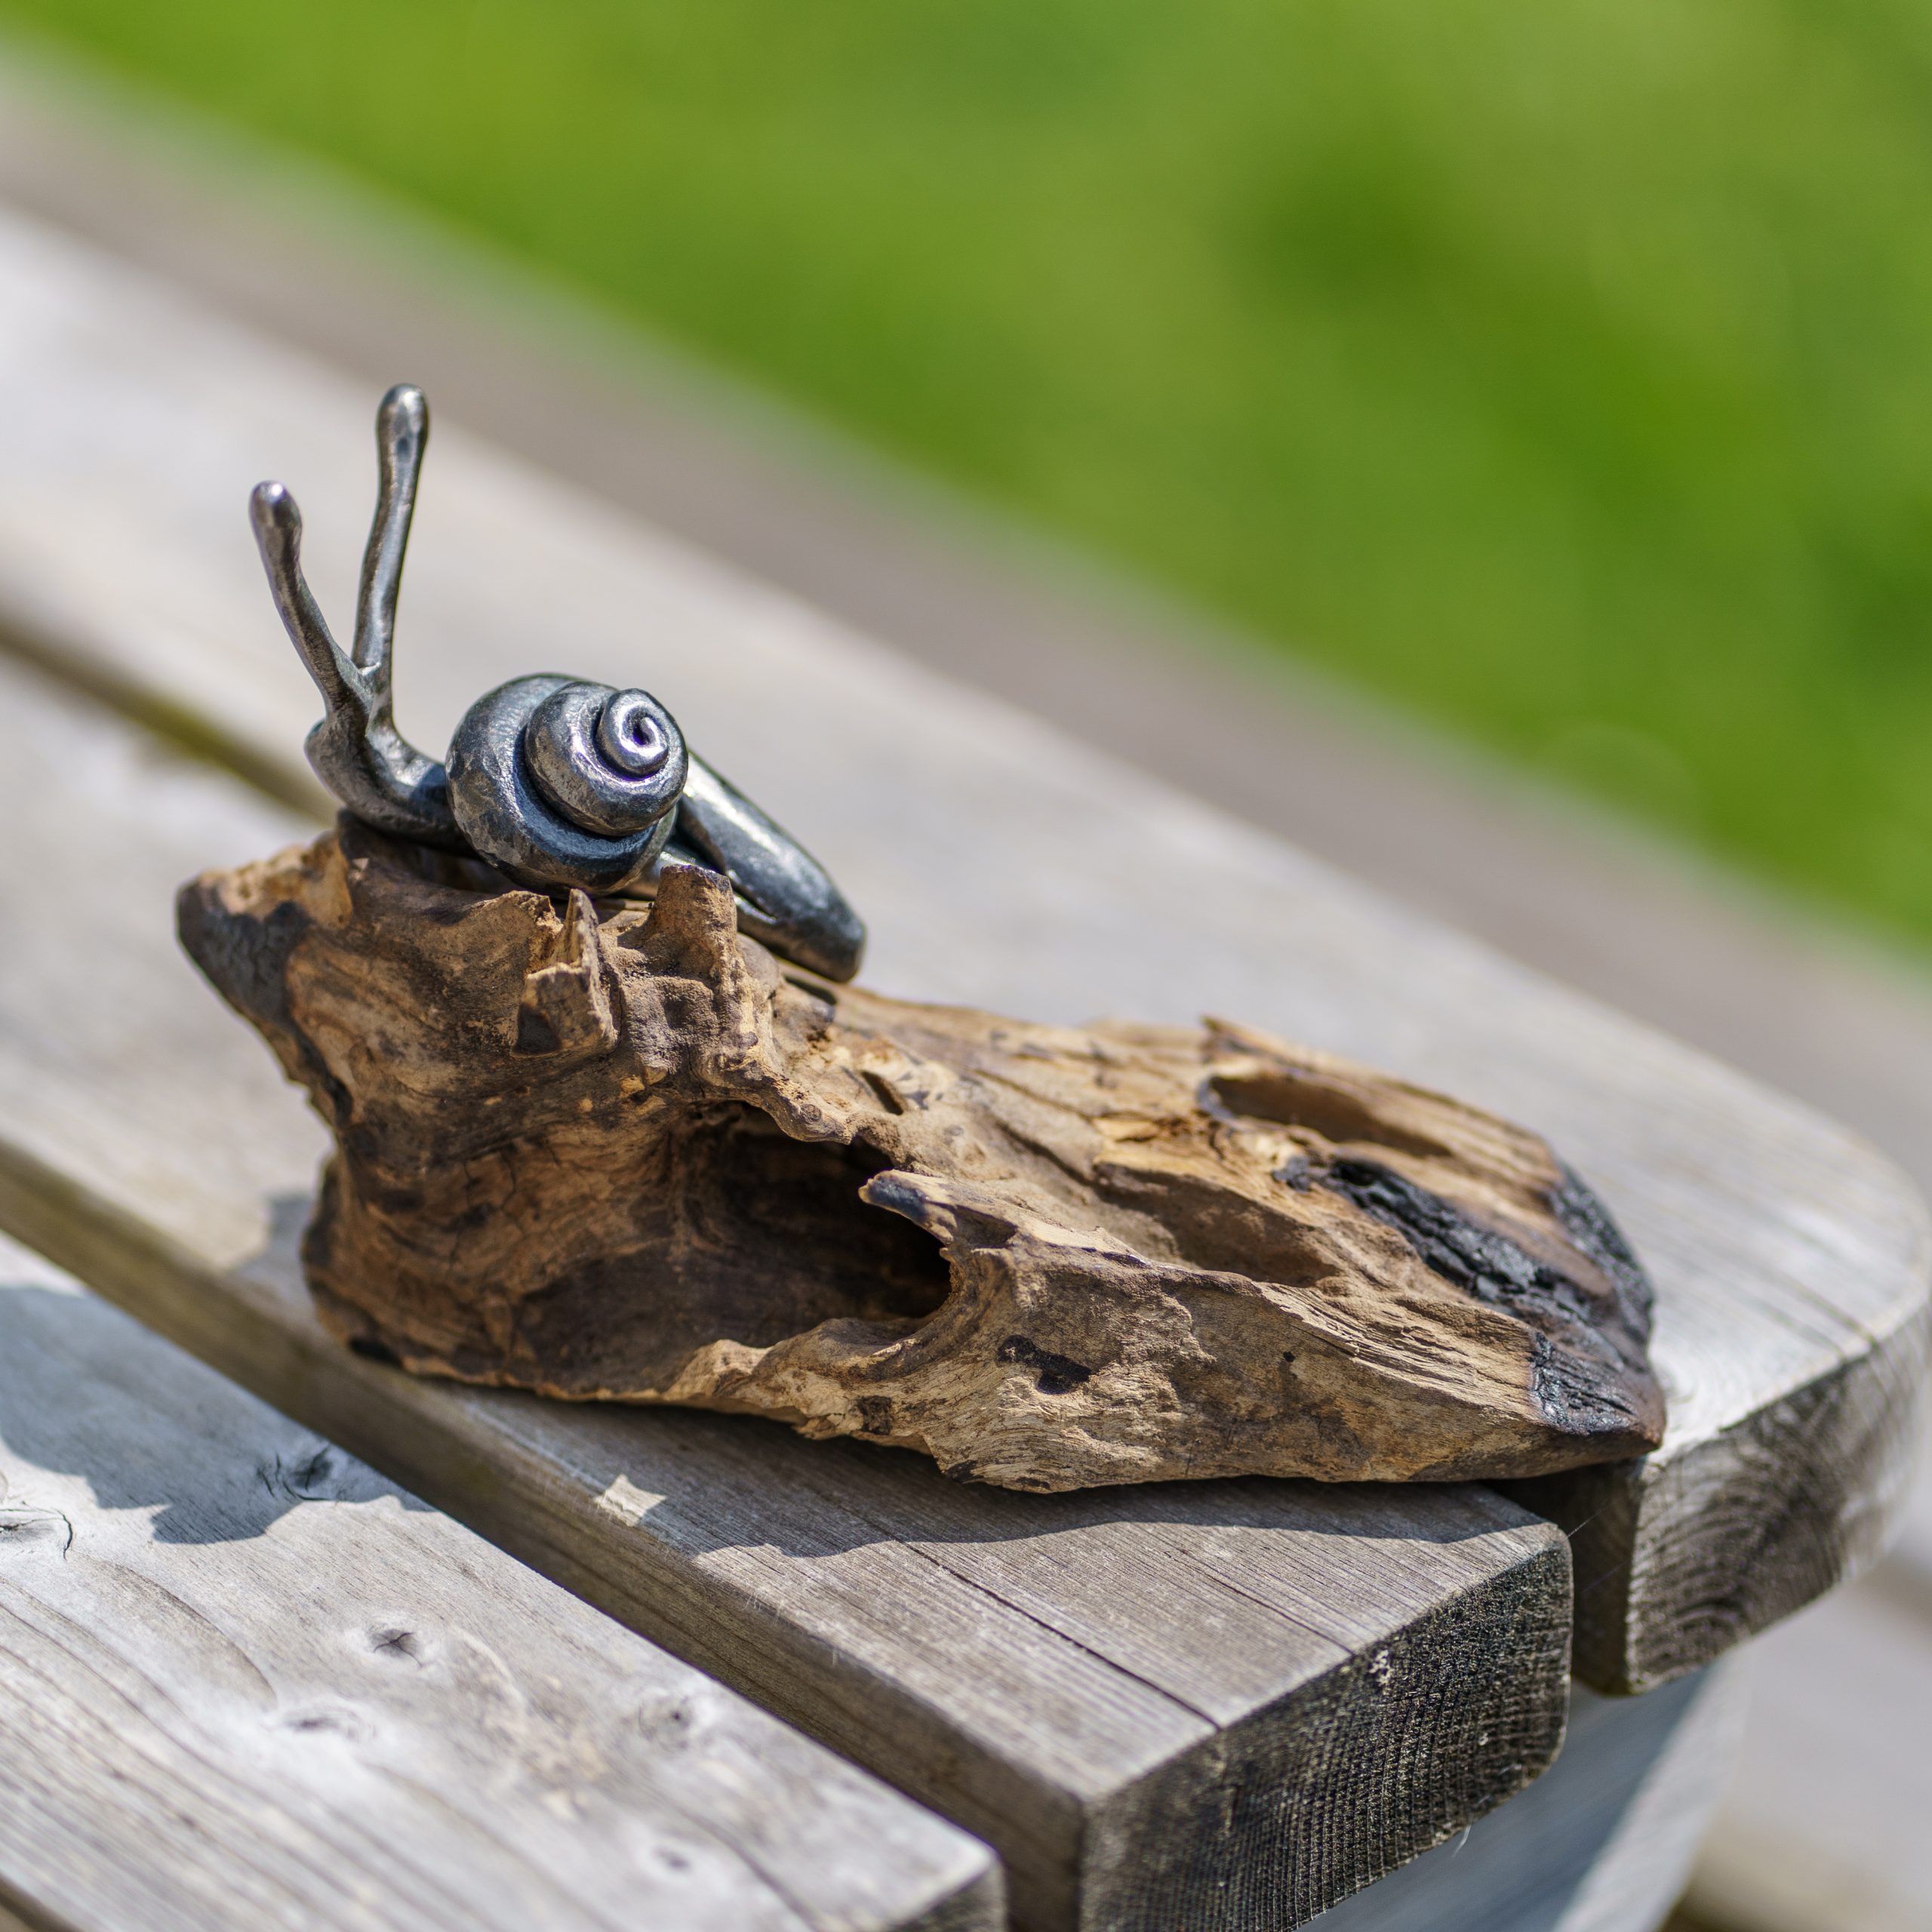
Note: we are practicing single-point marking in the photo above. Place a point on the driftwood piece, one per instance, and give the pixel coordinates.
(627, 1157)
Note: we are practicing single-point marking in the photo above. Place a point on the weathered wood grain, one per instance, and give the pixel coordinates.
(1222, 1705)
(1002, 867)
(615, 1154)
(245, 1682)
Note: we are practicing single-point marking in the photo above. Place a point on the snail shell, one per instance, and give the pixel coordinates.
(560, 782)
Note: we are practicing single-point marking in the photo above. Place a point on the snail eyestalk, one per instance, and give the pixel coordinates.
(559, 783)
(402, 434)
(356, 751)
(277, 518)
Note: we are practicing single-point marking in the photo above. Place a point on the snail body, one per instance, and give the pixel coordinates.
(559, 783)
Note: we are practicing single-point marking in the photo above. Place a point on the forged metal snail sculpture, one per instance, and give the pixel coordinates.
(557, 782)
(608, 1157)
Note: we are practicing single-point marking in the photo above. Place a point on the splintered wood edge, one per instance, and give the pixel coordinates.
(1300, 1758)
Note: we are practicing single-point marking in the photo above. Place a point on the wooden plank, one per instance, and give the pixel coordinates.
(246, 1682)
(1219, 1705)
(1001, 865)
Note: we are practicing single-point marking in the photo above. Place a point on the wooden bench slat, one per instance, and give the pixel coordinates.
(1219, 1705)
(1002, 866)
(245, 1681)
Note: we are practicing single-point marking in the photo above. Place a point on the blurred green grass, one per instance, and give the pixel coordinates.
(1559, 368)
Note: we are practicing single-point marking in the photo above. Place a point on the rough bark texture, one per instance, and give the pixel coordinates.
(628, 1157)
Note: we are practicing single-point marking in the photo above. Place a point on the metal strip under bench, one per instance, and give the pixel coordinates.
(1244, 1700)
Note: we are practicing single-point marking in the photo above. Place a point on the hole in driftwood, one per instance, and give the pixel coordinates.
(1335, 1109)
(743, 1235)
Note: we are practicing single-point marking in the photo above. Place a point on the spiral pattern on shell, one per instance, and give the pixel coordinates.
(560, 782)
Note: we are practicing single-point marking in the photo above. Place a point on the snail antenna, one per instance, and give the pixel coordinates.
(278, 525)
(356, 750)
(402, 433)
